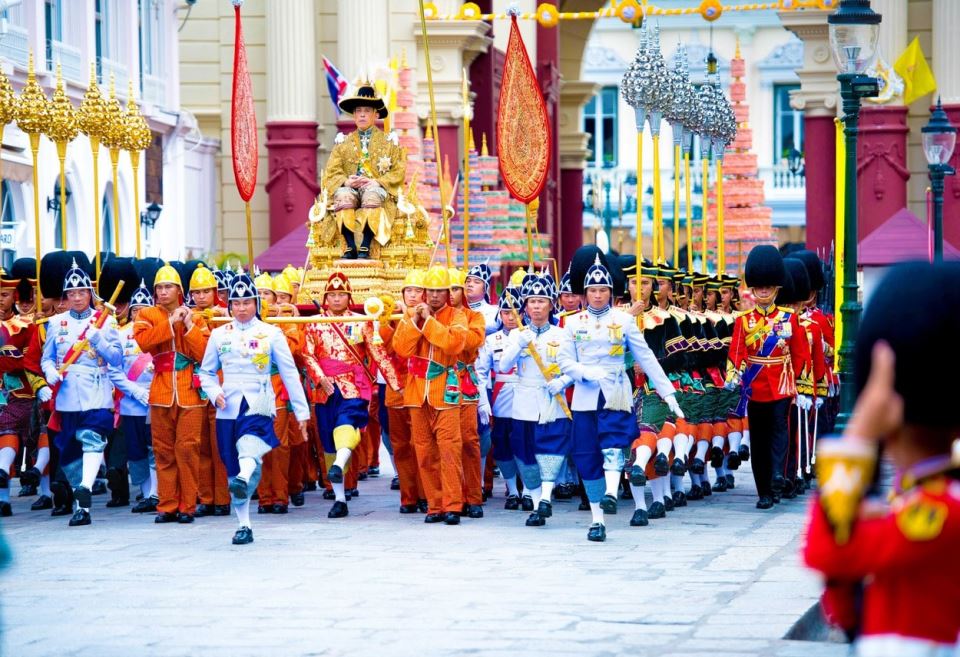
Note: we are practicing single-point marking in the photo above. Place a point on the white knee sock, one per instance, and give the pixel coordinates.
(45, 486)
(612, 477)
(43, 458)
(243, 512)
(746, 438)
(248, 466)
(339, 490)
(717, 442)
(535, 494)
(676, 483)
(91, 467)
(597, 512)
(664, 445)
(642, 456)
(153, 482)
(639, 501)
(145, 487)
(681, 445)
(546, 490)
(7, 455)
(343, 457)
(656, 489)
(511, 486)
(734, 438)
(702, 449)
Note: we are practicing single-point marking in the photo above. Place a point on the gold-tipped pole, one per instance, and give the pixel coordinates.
(532, 208)
(721, 238)
(61, 130)
(658, 251)
(436, 140)
(676, 204)
(705, 215)
(687, 183)
(91, 117)
(137, 137)
(33, 117)
(466, 171)
(638, 243)
(249, 215)
(113, 139)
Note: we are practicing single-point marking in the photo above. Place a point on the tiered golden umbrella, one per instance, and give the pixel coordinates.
(92, 120)
(33, 117)
(137, 137)
(62, 129)
(114, 138)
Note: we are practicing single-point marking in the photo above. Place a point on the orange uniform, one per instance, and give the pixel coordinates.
(401, 439)
(469, 429)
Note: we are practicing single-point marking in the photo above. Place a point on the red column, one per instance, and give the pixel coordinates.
(548, 74)
(820, 158)
(292, 183)
(951, 192)
(882, 171)
(571, 216)
(450, 149)
(485, 84)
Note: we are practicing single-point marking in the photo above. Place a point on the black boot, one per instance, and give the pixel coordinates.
(351, 251)
(364, 253)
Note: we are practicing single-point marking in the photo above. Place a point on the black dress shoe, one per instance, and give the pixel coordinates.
(545, 509)
(395, 483)
(373, 471)
(637, 476)
(536, 520)
(639, 518)
(660, 465)
(83, 497)
(487, 494)
(584, 505)
(800, 487)
(716, 456)
(597, 533)
(184, 518)
(609, 504)
(765, 502)
(721, 485)
(350, 254)
(657, 511)
(777, 484)
(297, 499)
(117, 502)
(668, 504)
(338, 510)
(204, 510)
(30, 477)
(679, 499)
(408, 508)
(41, 503)
(61, 510)
(706, 488)
(512, 503)
(776, 498)
(526, 503)
(80, 517)
(730, 481)
(432, 518)
(789, 490)
(221, 510)
(474, 511)
(697, 466)
(695, 494)
(146, 505)
(243, 536)
(362, 476)
(310, 487)
(422, 506)
(280, 509)
(733, 460)
(27, 490)
(678, 468)
(5, 510)
(451, 518)
(353, 492)
(564, 492)
(265, 509)
(744, 453)
(163, 518)
(99, 488)
(329, 495)
(624, 493)
(238, 488)
(335, 474)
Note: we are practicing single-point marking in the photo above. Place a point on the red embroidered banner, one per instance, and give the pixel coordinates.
(523, 128)
(243, 118)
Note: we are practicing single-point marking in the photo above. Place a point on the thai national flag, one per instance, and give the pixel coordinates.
(336, 83)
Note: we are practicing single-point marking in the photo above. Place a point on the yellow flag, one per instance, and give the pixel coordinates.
(912, 66)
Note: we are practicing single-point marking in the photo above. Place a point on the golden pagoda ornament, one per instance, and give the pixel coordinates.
(61, 130)
(137, 137)
(114, 138)
(92, 119)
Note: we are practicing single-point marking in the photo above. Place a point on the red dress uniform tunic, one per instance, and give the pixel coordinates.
(783, 366)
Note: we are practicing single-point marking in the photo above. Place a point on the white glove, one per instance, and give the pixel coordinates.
(818, 402)
(556, 386)
(483, 413)
(142, 396)
(45, 394)
(595, 373)
(804, 402)
(53, 377)
(731, 385)
(525, 336)
(674, 406)
(93, 335)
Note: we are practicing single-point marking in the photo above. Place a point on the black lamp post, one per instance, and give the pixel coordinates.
(149, 216)
(939, 138)
(854, 30)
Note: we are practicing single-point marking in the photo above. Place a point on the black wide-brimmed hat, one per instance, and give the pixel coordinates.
(365, 95)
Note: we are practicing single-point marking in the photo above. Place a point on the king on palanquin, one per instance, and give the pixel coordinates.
(365, 174)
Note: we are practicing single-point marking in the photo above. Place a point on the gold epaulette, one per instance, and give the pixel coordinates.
(678, 314)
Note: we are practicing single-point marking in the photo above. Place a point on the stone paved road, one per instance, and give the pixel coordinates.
(716, 579)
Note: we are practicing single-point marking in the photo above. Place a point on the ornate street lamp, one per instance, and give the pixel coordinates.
(854, 30)
(939, 138)
(149, 216)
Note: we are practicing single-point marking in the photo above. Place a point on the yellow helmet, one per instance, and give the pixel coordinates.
(414, 278)
(291, 274)
(516, 278)
(263, 282)
(282, 285)
(167, 274)
(436, 278)
(202, 279)
(457, 278)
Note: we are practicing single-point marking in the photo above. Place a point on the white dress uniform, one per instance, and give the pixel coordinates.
(133, 378)
(491, 315)
(531, 400)
(503, 383)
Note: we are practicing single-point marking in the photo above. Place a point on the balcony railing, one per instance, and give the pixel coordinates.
(69, 59)
(15, 44)
(119, 71)
(154, 90)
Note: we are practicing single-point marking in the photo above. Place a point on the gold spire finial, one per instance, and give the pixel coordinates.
(33, 111)
(91, 116)
(484, 152)
(473, 145)
(736, 55)
(63, 116)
